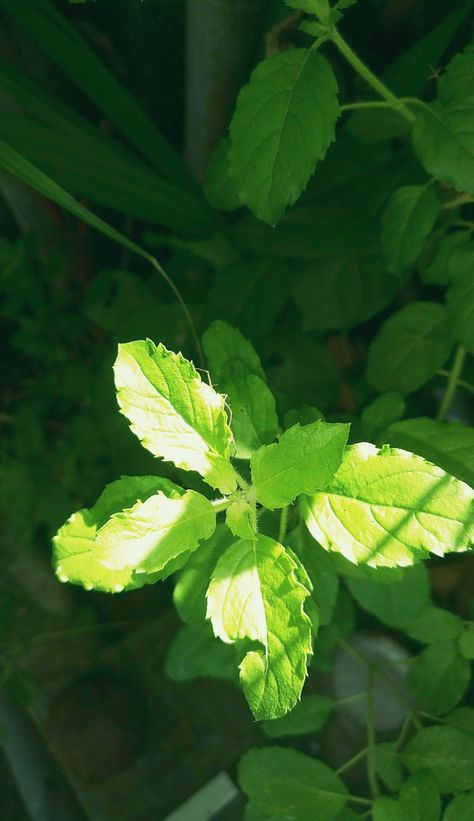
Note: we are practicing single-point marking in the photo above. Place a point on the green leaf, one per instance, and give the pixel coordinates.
(28, 173)
(222, 343)
(407, 221)
(259, 289)
(333, 295)
(462, 718)
(309, 715)
(189, 594)
(411, 71)
(196, 653)
(304, 458)
(447, 752)
(419, 797)
(140, 530)
(63, 44)
(174, 414)
(461, 807)
(254, 420)
(283, 124)
(387, 765)
(466, 642)
(410, 347)
(383, 411)
(448, 444)
(396, 604)
(387, 809)
(237, 372)
(433, 624)
(443, 139)
(284, 782)
(460, 302)
(239, 519)
(243, 604)
(389, 507)
(439, 677)
(443, 266)
(218, 185)
(456, 83)
(302, 416)
(320, 569)
(341, 625)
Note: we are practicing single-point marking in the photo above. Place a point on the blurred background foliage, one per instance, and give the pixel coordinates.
(122, 104)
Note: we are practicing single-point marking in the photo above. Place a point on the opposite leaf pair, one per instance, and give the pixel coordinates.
(384, 507)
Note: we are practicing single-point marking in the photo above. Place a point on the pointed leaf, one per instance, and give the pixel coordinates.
(321, 571)
(461, 807)
(174, 414)
(255, 595)
(397, 604)
(457, 81)
(439, 677)
(443, 139)
(288, 784)
(448, 444)
(305, 458)
(434, 624)
(447, 752)
(407, 221)
(419, 797)
(387, 809)
(388, 507)
(460, 302)
(410, 347)
(254, 420)
(309, 715)
(218, 185)
(445, 262)
(123, 542)
(283, 124)
(196, 653)
(189, 594)
(223, 343)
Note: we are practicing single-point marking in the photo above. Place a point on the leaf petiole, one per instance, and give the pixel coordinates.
(394, 102)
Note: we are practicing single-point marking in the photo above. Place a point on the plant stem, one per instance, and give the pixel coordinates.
(352, 761)
(184, 307)
(453, 379)
(371, 773)
(372, 79)
(359, 800)
(463, 199)
(403, 732)
(367, 104)
(220, 504)
(283, 524)
(461, 382)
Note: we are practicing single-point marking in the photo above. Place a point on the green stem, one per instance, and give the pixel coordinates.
(367, 104)
(461, 382)
(463, 199)
(357, 799)
(453, 380)
(372, 79)
(352, 761)
(403, 732)
(283, 524)
(183, 305)
(371, 773)
(220, 504)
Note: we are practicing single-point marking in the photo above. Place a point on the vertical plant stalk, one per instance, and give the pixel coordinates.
(371, 772)
(283, 524)
(365, 72)
(453, 382)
